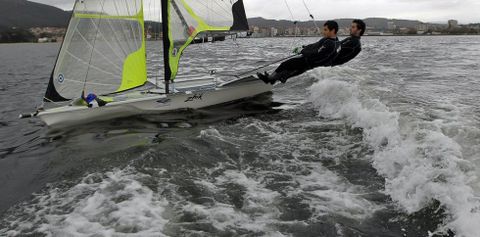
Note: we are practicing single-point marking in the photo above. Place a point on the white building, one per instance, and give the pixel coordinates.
(452, 24)
(273, 32)
(391, 25)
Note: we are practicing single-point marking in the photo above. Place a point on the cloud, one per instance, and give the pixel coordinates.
(425, 10)
(466, 11)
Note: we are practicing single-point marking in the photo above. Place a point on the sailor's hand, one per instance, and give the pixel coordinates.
(297, 50)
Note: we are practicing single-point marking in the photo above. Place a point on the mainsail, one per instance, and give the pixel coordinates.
(103, 51)
(104, 48)
(188, 18)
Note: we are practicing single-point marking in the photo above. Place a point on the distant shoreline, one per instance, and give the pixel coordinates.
(279, 37)
(316, 36)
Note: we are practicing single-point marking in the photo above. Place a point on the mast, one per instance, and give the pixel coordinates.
(166, 45)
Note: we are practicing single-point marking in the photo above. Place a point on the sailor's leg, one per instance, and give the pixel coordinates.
(292, 67)
(265, 78)
(292, 64)
(285, 75)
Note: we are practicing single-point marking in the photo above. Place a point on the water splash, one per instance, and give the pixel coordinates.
(419, 165)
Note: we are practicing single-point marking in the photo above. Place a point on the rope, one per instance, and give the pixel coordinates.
(212, 72)
(266, 65)
(255, 69)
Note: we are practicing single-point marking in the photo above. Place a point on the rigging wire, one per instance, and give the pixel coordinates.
(154, 29)
(296, 29)
(160, 29)
(93, 48)
(293, 18)
(311, 16)
(155, 35)
(150, 9)
(294, 42)
(266, 65)
(238, 75)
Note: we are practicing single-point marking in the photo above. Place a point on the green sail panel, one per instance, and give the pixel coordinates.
(103, 51)
(189, 18)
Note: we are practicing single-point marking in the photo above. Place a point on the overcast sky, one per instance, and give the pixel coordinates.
(466, 11)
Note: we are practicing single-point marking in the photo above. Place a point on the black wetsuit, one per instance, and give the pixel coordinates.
(350, 48)
(314, 55)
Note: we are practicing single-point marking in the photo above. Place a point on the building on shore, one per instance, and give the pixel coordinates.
(422, 28)
(273, 32)
(452, 24)
(48, 34)
(391, 26)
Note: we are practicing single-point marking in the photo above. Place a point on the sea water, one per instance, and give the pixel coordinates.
(386, 145)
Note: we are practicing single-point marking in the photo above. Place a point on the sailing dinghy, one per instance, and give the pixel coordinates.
(104, 53)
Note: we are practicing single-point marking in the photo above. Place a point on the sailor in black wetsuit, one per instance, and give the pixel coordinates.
(311, 56)
(351, 46)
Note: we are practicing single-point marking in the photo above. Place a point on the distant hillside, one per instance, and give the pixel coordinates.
(377, 23)
(25, 14)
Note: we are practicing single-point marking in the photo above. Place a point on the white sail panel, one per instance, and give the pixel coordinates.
(103, 51)
(215, 13)
(188, 18)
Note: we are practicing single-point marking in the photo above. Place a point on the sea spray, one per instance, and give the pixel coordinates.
(419, 166)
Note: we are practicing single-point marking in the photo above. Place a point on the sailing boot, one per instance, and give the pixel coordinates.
(280, 76)
(264, 77)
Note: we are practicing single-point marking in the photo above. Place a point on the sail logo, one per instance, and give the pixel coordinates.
(194, 97)
(61, 78)
(163, 101)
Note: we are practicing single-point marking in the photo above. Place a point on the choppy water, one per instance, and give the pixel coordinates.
(387, 145)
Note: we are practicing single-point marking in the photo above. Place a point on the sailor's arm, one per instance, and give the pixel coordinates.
(350, 49)
(311, 49)
(327, 49)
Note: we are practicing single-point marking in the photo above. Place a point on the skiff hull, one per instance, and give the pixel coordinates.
(153, 104)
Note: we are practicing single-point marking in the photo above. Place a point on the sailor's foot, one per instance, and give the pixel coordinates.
(264, 77)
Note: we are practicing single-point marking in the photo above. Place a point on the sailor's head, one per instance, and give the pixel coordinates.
(330, 29)
(357, 28)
